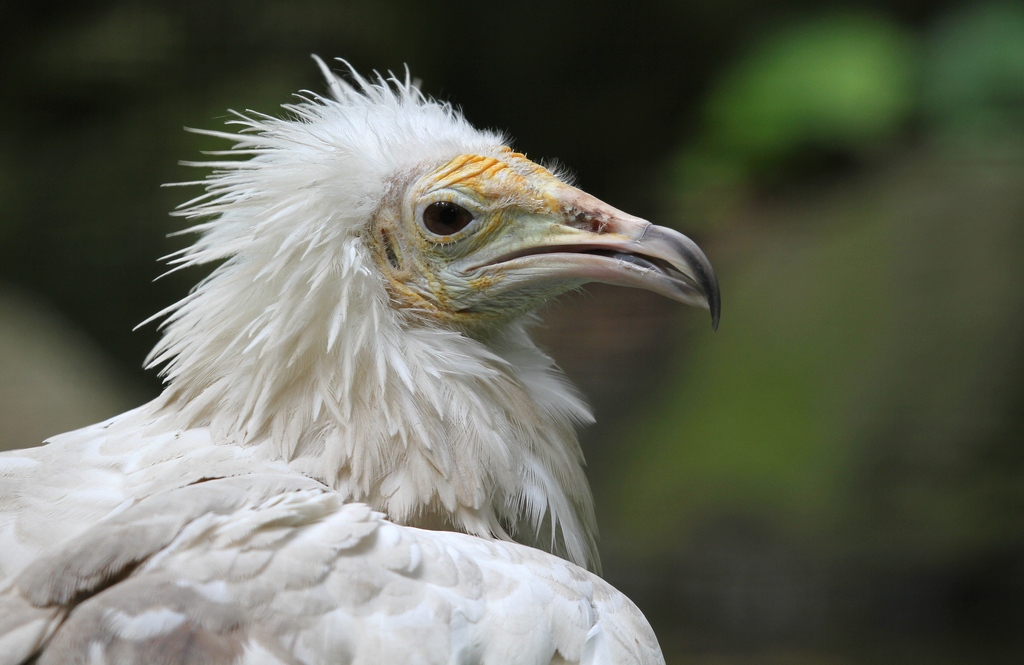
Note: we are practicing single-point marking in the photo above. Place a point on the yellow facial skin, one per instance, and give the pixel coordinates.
(531, 237)
(499, 191)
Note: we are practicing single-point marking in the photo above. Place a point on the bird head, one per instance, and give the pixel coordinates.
(376, 257)
(483, 238)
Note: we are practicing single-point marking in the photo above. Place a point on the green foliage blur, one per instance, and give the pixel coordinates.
(837, 474)
(862, 411)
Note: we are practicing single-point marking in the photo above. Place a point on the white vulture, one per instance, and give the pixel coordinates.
(359, 455)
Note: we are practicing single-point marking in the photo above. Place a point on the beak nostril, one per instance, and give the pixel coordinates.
(588, 222)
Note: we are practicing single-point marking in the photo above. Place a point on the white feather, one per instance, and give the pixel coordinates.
(235, 514)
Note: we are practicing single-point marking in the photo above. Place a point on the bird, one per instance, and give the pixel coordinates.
(359, 454)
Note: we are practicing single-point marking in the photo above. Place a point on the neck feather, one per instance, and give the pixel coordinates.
(427, 425)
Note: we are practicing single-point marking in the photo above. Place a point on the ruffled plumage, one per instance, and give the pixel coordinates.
(262, 509)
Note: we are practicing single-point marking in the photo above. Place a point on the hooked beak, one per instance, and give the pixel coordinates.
(591, 241)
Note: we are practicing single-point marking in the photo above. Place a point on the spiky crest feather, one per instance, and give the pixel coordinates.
(291, 344)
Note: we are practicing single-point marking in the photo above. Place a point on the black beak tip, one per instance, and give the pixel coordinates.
(714, 297)
(707, 280)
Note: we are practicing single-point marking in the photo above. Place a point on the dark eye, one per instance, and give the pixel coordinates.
(445, 218)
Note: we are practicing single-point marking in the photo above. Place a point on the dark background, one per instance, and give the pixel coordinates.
(836, 476)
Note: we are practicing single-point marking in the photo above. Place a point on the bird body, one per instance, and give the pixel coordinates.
(175, 548)
(356, 426)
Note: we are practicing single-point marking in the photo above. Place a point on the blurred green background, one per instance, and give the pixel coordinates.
(836, 476)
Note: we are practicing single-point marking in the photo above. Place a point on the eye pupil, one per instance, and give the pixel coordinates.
(445, 218)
